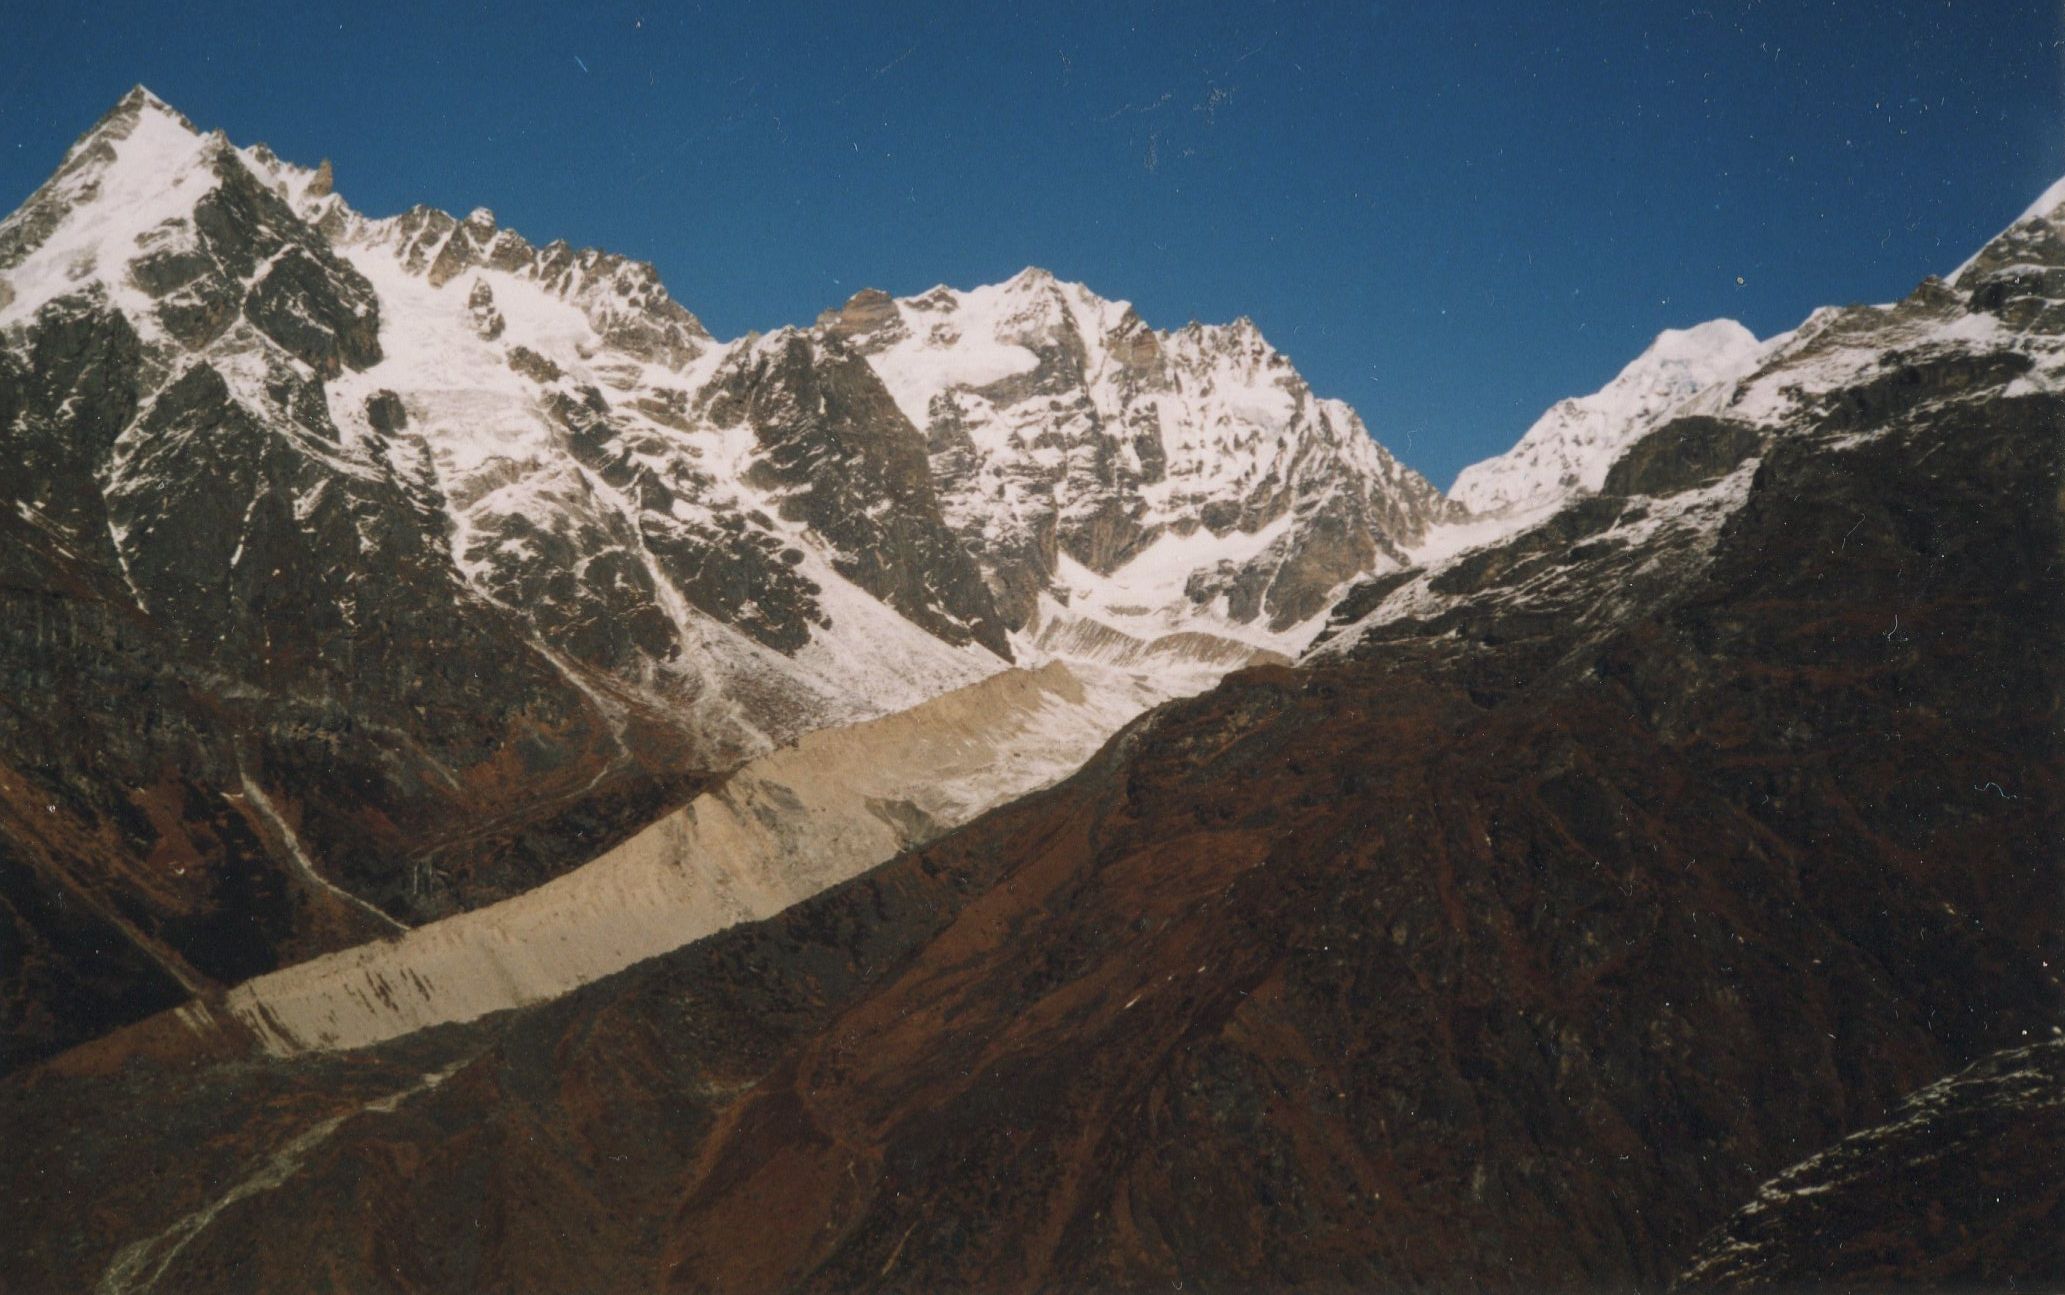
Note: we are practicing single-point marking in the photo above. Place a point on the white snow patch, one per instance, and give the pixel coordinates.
(1569, 448)
(159, 170)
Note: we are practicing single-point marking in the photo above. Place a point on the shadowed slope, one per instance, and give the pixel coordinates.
(1510, 941)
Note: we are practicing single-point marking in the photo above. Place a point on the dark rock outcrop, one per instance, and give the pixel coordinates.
(848, 464)
(301, 296)
(1960, 1190)
(1683, 454)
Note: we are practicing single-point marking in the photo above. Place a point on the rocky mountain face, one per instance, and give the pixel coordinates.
(359, 572)
(233, 628)
(1072, 442)
(1571, 887)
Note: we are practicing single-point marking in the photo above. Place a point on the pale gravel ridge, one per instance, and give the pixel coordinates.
(784, 827)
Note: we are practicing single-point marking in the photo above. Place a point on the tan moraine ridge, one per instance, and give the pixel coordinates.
(782, 828)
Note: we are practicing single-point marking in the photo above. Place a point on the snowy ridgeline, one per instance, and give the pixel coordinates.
(1569, 448)
(566, 412)
(817, 527)
(1155, 481)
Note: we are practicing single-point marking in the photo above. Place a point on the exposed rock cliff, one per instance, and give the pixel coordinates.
(1573, 888)
(360, 571)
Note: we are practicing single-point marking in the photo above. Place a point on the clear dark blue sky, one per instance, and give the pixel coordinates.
(1448, 214)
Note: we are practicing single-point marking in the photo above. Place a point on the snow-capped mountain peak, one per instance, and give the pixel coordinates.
(2005, 293)
(830, 521)
(140, 166)
(1068, 435)
(1569, 448)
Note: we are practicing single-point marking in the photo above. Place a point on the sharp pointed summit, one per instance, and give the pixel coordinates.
(1568, 450)
(138, 101)
(302, 444)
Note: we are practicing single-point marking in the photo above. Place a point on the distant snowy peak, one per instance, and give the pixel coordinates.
(2016, 276)
(1610, 500)
(2010, 286)
(1062, 426)
(140, 168)
(1570, 448)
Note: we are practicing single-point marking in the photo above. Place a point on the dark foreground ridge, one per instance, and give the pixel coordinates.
(1960, 1190)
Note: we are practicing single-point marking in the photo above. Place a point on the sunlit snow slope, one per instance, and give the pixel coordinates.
(1569, 448)
(379, 569)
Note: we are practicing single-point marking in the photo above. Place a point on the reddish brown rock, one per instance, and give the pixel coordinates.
(1513, 967)
(1960, 1190)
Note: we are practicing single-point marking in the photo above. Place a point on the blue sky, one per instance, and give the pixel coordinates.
(1450, 215)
